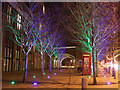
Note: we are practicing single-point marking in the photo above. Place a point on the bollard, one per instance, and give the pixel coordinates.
(84, 83)
(109, 70)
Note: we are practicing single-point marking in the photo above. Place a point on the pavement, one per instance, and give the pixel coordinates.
(64, 79)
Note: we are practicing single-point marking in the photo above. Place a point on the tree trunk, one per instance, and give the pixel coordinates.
(42, 65)
(94, 75)
(96, 65)
(50, 63)
(25, 68)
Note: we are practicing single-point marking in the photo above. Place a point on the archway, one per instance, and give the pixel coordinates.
(67, 61)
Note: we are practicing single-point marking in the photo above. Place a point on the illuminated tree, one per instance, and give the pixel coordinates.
(92, 27)
(106, 27)
(53, 41)
(41, 47)
(28, 29)
(59, 53)
(82, 14)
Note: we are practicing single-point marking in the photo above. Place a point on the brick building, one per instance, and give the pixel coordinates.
(13, 57)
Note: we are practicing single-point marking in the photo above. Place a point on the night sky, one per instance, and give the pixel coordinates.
(62, 17)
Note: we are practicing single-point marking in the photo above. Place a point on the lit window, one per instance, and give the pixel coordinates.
(8, 52)
(19, 21)
(43, 9)
(17, 54)
(9, 13)
(5, 52)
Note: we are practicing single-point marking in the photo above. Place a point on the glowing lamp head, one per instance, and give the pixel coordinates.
(34, 76)
(108, 83)
(48, 76)
(54, 73)
(12, 82)
(35, 83)
(43, 73)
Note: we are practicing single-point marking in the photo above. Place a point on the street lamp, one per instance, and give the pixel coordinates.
(71, 62)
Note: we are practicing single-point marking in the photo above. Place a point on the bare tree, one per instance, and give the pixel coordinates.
(53, 41)
(92, 27)
(28, 29)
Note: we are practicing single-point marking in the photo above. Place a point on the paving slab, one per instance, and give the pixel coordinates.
(67, 78)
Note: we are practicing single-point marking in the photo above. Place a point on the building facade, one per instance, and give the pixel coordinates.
(13, 58)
